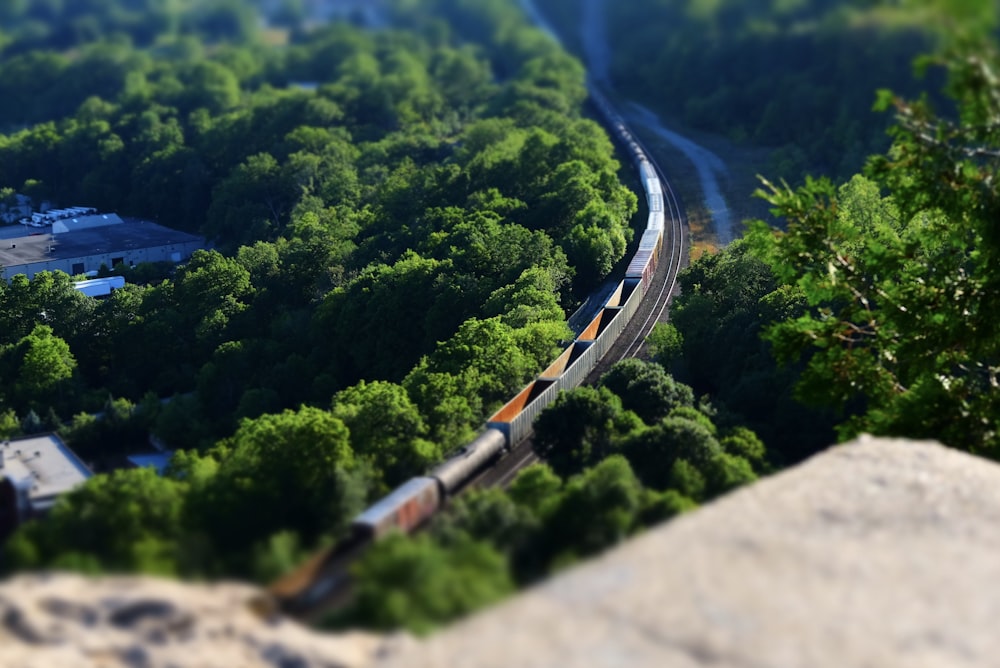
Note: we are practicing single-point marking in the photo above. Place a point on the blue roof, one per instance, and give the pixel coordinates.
(158, 460)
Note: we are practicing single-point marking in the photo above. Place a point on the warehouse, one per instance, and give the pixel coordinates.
(83, 244)
(34, 472)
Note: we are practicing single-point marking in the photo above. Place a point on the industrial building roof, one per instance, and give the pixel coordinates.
(83, 238)
(43, 462)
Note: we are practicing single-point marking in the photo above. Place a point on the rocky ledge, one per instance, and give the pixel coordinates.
(69, 621)
(874, 553)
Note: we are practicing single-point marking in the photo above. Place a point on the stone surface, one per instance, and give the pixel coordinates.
(876, 553)
(67, 621)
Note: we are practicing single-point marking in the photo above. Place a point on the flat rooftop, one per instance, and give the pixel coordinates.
(46, 461)
(34, 244)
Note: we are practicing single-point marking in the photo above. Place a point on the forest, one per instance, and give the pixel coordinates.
(401, 219)
(399, 222)
(796, 76)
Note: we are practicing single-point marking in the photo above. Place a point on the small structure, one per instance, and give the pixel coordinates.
(158, 461)
(100, 287)
(34, 473)
(368, 13)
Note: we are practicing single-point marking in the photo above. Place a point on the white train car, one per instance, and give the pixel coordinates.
(644, 262)
(657, 220)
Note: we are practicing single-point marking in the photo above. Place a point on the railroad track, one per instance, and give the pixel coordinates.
(633, 339)
(657, 302)
(499, 452)
(673, 248)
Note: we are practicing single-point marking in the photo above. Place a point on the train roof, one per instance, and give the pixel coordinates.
(376, 514)
(650, 239)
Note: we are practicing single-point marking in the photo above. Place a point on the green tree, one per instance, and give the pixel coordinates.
(532, 298)
(42, 366)
(387, 429)
(388, 316)
(252, 204)
(646, 389)
(410, 582)
(661, 506)
(742, 442)
(536, 488)
(727, 300)
(725, 472)
(130, 520)
(290, 471)
(492, 517)
(451, 414)
(597, 509)
(10, 426)
(893, 325)
(581, 428)
(666, 343)
(652, 452)
(484, 355)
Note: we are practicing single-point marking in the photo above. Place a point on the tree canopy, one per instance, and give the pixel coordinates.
(390, 214)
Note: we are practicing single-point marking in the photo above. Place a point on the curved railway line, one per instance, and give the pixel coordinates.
(618, 330)
(675, 247)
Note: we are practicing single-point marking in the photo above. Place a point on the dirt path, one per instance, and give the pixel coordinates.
(743, 165)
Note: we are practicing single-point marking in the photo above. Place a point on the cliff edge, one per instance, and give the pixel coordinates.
(59, 620)
(874, 553)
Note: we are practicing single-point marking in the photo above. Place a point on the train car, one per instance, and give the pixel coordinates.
(652, 238)
(654, 195)
(516, 418)
(655, 202)
(604, 330)
(572, 367)
(406, 508)
(627, 297)
(656, 221)
(644, 262)
(459, 469)
(646, 172)
(642, 268)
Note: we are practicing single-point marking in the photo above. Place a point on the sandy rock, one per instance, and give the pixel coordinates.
(879, 553)
(62, 620)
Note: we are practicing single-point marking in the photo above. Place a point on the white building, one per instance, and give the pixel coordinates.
(34, 473)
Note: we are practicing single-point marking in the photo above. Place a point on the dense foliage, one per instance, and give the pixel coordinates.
(628, 454)
(713, 342)
(898, 269)
(398, 219)
(873, 302)
(794, 76)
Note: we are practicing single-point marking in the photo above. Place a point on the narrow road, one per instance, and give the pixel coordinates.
(709, 167)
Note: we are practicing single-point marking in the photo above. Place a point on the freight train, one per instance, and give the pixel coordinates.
(411, 504)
